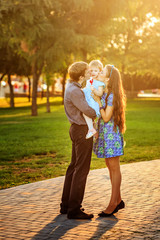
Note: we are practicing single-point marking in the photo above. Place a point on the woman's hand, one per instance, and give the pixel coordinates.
(96, 135)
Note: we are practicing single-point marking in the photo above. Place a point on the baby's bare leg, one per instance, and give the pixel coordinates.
(91, 130)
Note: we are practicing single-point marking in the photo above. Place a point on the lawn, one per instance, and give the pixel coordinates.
(37, 148)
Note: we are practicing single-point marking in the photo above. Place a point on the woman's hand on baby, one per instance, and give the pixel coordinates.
(96, 135)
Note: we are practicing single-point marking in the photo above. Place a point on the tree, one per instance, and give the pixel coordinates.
(88, 25)
(30, 23)
(130, 40)
(44, 28)
(150, 38)
(85, 21)
(11, 63)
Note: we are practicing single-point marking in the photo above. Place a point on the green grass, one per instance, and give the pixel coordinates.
(36, 148)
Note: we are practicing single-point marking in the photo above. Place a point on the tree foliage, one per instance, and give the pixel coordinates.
(47, 35)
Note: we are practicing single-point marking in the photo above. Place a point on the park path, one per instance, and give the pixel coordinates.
(31, 211)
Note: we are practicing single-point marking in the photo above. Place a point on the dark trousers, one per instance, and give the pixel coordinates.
(76, 175)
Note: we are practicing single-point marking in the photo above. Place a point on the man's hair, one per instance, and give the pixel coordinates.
(96, 63)
(76, 70)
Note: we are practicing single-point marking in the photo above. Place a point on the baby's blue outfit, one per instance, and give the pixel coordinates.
(87, 91)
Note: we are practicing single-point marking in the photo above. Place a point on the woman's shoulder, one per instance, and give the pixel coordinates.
(110, 95)
(110, 99)
(105, 94)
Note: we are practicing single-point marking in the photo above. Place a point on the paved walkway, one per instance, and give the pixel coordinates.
(31, 211)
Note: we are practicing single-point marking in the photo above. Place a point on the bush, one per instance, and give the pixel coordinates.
(135, 82)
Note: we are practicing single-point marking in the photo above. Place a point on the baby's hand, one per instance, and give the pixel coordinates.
(92, 88)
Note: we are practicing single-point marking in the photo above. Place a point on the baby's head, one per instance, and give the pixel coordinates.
(95, 67)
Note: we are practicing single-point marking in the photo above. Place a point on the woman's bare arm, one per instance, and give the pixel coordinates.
(105, 113)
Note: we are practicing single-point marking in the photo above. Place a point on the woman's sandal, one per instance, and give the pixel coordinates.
(119, 206)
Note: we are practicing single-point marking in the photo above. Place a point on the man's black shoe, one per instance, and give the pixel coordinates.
(63, 209)
(79, 215)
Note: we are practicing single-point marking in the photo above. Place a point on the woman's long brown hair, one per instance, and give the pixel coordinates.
(119, 98)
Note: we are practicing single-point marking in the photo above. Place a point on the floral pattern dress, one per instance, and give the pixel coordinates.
(109, 143)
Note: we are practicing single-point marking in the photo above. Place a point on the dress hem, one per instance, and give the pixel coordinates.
(111, 156)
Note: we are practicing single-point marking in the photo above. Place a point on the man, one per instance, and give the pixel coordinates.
(75, 105)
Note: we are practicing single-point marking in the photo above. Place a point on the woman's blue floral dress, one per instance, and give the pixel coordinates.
(109, 143)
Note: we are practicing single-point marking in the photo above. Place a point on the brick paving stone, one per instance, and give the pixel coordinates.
(31, 211)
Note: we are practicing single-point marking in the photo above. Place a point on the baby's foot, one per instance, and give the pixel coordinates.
(90, 133)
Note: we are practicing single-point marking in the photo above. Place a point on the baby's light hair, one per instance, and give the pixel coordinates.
(96, 63)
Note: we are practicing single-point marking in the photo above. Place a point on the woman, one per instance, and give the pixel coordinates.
(111, 126)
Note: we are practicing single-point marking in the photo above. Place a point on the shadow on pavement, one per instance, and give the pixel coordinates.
(61, 225)
(104, 225)
(58, 227)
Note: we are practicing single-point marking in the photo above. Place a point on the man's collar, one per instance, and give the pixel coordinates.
(76, 84)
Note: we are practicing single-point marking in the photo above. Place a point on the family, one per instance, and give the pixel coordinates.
(93, 92)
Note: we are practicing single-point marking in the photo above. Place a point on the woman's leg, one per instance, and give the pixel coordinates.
(110, 173)
(107, 164)
(115, 175)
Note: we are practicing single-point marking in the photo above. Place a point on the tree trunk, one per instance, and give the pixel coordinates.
(29, 85)
(1, 78)
(53, 87)
(11, 91)
(63, 84)
(48, 103)
(132, 86)
(34, 91)
(36, 74)
(42, 92)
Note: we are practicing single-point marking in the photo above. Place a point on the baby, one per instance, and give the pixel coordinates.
(97, 87)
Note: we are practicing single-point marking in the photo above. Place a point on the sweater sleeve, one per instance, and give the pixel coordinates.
(79, 101)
